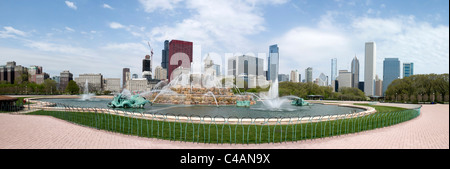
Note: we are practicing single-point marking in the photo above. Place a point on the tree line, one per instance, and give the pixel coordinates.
(419, 88)
(49, 87)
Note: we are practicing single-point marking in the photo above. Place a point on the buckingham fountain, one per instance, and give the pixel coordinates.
(184, 90)
(201, 89)
(204, 95)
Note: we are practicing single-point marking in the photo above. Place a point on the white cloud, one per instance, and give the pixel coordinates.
(404, 38)
(10, 32)
(138, 48)
(152, 5)
(399, 37)
(58, 48)
(115, 25)
(107, 6)
(304, 47)
(71, 5)
(69, 29)
(133, 30)
(217, 25)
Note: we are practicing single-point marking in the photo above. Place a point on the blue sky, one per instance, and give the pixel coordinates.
(104, 36)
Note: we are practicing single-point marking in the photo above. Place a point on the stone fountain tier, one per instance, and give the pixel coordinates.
(200, 96)
(196, 90)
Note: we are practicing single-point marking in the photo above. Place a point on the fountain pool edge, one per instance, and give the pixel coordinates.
(47, 106)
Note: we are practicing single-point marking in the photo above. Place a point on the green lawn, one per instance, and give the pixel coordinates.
(235, 133)
(383, 108)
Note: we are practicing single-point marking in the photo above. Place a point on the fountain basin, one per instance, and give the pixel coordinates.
(258, 110)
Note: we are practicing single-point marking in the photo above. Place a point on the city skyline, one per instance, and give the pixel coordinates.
(103, 32)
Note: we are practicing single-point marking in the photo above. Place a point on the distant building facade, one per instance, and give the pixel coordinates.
(64, 79)
(283, 77)
(95, 81)
(294, 76)
(273, 63)
(344, 79)
(378, 86)
(138, 85)
(126, 75)
(165, 55)
(322, 80)
(333, 69)
(309, 74)
(160, 73)
(111, 84)
(12, 72)
(408, 69)
(391, 71)
(245, 65)
(147, 68)
(180, 55)
(370, 68)
(355, 72)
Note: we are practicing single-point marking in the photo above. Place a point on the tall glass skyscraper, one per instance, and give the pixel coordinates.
(165, 57)
(273, 63)
(391, 71)
(408, 69)
(308, 73)
(370, 68)
(355, 72)
(333, 69)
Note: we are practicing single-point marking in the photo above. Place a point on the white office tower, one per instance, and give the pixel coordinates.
(294, 76)
(370, 68)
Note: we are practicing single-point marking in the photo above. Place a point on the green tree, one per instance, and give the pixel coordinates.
(23, 78)
(49, 86)
(350, 93)
(420, 87)
(72, 88)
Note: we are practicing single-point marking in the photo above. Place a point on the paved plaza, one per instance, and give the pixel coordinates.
(430, 130)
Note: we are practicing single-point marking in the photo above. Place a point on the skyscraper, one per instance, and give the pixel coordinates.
(294, 76)
(378, 86)
(273, 63)
(333, 69)
(344, 79)
(160, 73)
(355, 72)
(408, 69)
(370, 68)
(165, 55)
(249, 65)
(180, 55)
(308, 73)
(391, 71)
(146, 68)
(323, 80)
(283, 77)
(125, 76)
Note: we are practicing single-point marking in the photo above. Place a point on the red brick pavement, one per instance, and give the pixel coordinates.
(428, 131)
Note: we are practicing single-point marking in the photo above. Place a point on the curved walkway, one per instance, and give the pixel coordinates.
(430, 130)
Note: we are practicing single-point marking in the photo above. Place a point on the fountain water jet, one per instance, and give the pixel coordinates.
(86, 95)
(271, 99)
